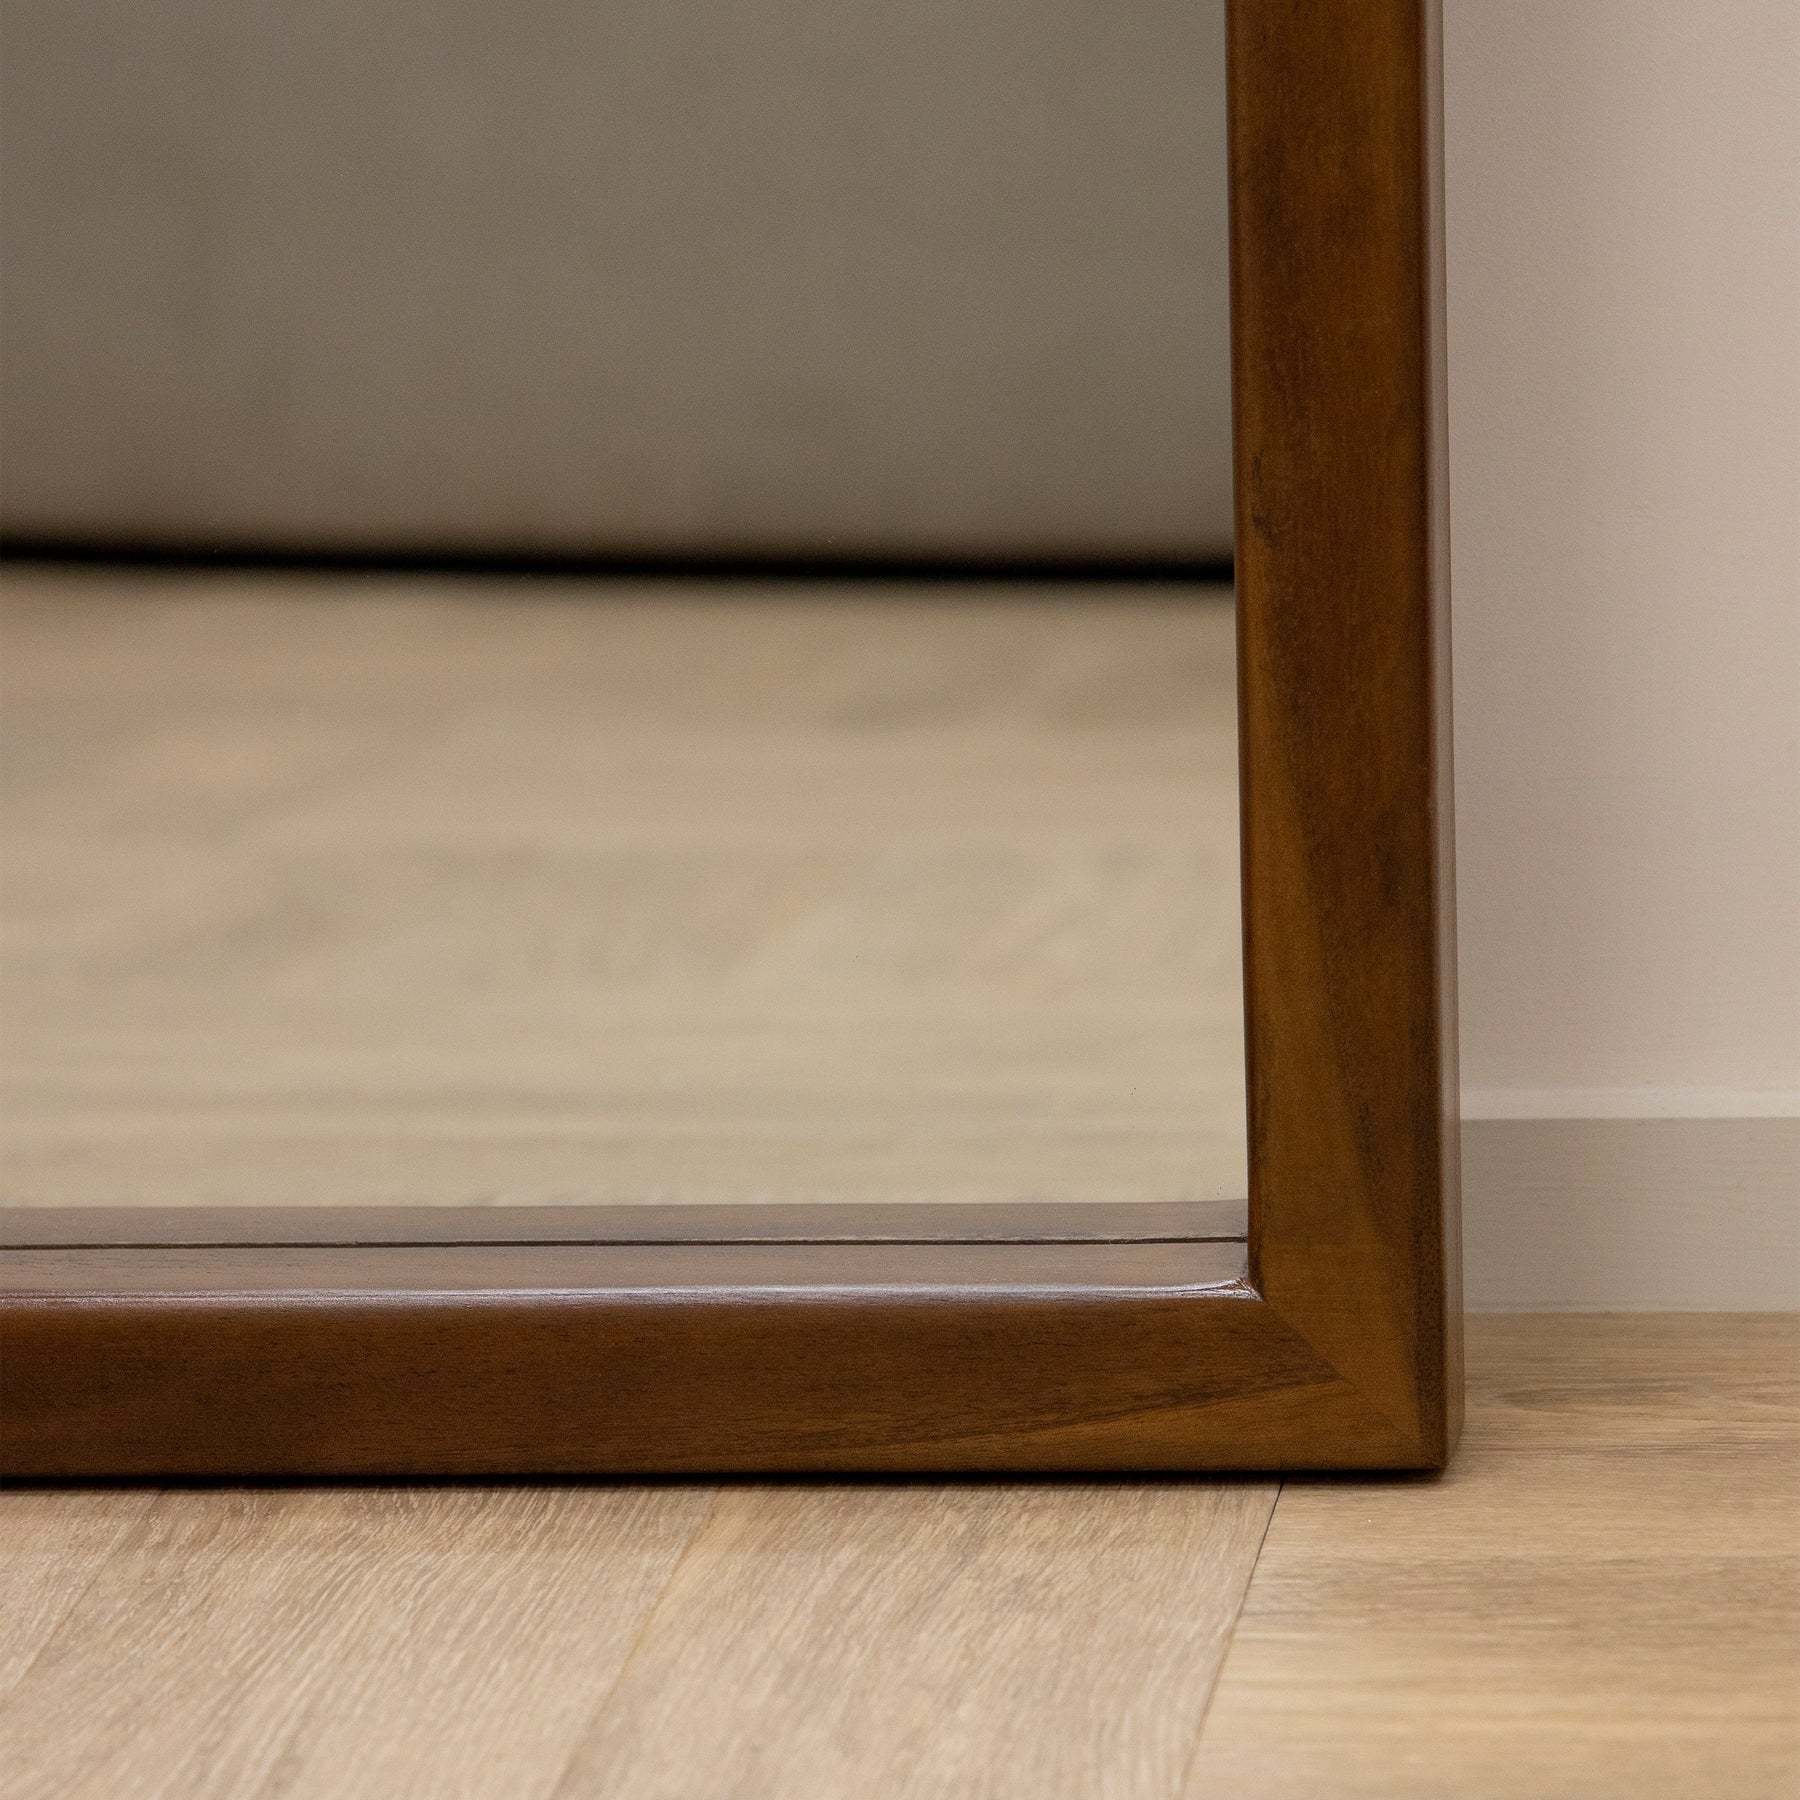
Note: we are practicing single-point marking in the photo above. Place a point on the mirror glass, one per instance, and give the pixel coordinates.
(618, 604)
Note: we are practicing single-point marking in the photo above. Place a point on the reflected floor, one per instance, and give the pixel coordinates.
(384, 891)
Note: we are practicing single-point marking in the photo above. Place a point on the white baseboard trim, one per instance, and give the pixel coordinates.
(1630, 1103)
(1686, 1214)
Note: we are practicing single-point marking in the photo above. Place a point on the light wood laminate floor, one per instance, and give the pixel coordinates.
(410, 891)
(1597, 1601)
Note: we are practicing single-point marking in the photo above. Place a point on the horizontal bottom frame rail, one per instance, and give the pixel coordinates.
(477, 1360)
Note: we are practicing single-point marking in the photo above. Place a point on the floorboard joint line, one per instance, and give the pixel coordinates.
(1193, 1755)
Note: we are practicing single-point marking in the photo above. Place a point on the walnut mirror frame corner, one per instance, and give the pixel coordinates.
(1321, 1333)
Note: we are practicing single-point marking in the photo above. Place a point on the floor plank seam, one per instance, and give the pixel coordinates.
(102, 1564)
(559, 1785)
(1237, 1613)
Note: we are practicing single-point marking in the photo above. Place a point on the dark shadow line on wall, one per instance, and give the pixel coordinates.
(636, 565)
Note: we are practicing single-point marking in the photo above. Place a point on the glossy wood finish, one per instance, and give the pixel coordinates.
(478, 1360)
(496, 1359)
(1343, 695)
(1336, 1347)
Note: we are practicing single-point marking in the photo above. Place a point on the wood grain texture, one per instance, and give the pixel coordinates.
(52, 1546)
(827, 1640)
(385, 892)
(366, 1641)
(1601, 1597)
(1343, 693)
(1047, 1642)
(503, 1359)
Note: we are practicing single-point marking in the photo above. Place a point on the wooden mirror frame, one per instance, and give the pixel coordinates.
(348, 1342)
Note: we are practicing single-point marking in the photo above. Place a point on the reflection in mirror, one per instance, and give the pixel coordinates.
(499, 707)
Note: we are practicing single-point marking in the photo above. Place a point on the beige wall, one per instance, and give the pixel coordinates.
(1624, 281)
(801, 275)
